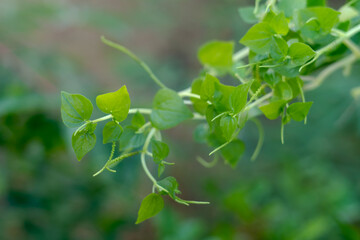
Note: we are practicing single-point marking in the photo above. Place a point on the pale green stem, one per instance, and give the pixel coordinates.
(240, 54)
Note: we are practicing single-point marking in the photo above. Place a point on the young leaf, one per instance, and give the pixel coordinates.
(160, 150)
(283, 91)
(239, 97)
(151, 205)
(111, 132)
(208, 87)
(84, 140)
(138, 120)
(228, 125)
(75, 109)
(129, 139)
(300, 53)
(171, 185)
(279, 48)
(200, 105)
(233, 152)
(168, 110)
(278, 22)
(216, 54)
(115, 103)
(222, 97)
(273, 109)
(161, 169)
(259, 38)
(247, 14)
(298, 111)
(290, 6)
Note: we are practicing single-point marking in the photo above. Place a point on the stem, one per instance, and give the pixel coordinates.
(329, 70)
(188, 94)
(143, 160)
(240, 54)
(135, 58)
(257, 102)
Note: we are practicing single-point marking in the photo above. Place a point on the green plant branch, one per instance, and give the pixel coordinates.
(329, 70)
(135, 58)
(116, 160)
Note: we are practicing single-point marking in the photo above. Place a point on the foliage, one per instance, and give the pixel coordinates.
(287, 45)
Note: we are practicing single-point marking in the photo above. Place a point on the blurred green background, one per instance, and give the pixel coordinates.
(308, 188)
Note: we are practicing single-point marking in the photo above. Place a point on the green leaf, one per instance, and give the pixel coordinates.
(115, 103)
(222, 97)
(239, 97)
(138, 120)
(233, 152)
(168, 110)
(111, 132)
(171, 185)
(347, 13)
(279, 48)
(259, 38)
(273, 109)
(216, 54)
(247, 14)
(75, 109)
(300, 53)
(283, 91)
(298, 111)
(129, 139)
(228, 125)
(160, 150)
(151, 205)
(315, 21)
(83, 141)
(200, 105)
(290, 6)
(208, 87)
(278, 22)
(161, 169)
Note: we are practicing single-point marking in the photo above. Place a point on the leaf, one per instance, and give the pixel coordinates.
(161, 169)
(138, 120)
(200, 105)
(247, 14)
(75, 109)
(160, 150)
(168, 110)
(111, 132)
(279, 48)
(315, 22)
(273, 109)
(233, 152)
(347, 13)
(84, 140)
(283, 91)
(222, 97)
(208, 87)
(290, 6)
(278, 22)
(300, 53)
(228, 125)
(239, 97)
(171, 185)
(151, 205)
(298, 111)
(259, 38)
(129, 139)
(216, 54)
(115, 103)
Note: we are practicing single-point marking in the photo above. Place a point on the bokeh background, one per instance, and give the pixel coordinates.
(308, 188)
